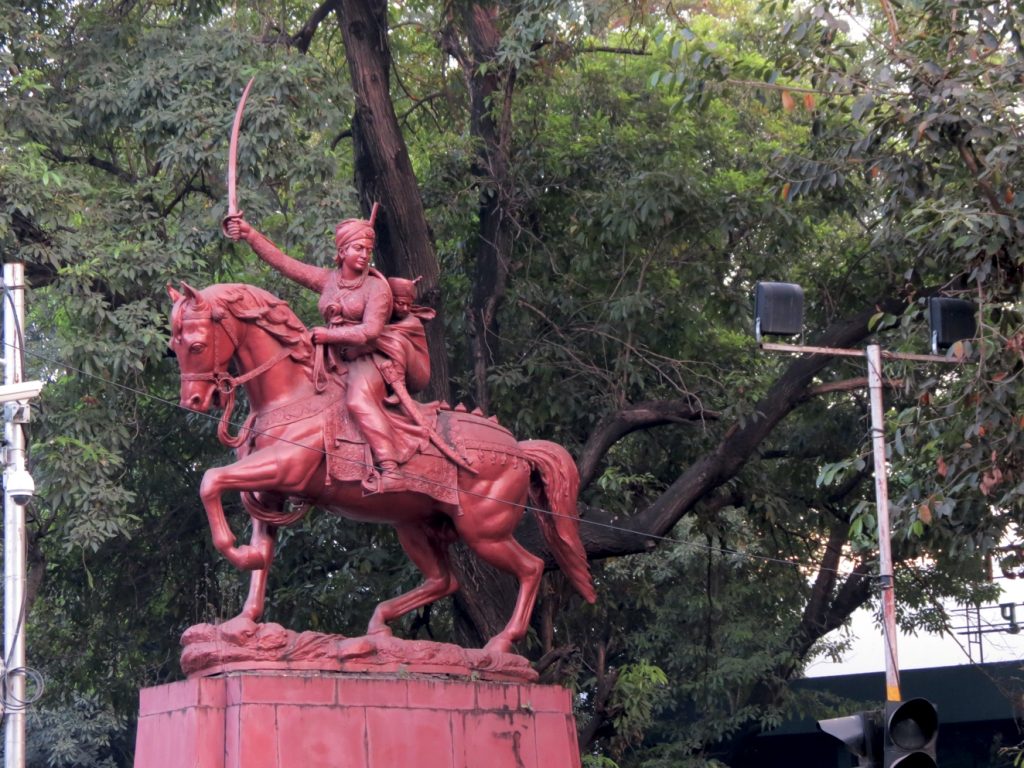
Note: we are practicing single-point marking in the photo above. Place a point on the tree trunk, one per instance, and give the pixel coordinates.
(384, 173)
(490, 87)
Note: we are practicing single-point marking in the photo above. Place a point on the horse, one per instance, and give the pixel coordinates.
(282, 466)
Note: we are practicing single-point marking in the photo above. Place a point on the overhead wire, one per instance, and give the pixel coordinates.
(727, 551)
(10, 701)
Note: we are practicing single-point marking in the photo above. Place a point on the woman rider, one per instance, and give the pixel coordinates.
(356, 305)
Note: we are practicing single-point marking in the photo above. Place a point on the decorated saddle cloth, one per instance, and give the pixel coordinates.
(426, 471)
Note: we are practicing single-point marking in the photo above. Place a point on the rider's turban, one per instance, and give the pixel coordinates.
(352, 229)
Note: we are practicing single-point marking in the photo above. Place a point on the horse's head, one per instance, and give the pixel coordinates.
(204, 345)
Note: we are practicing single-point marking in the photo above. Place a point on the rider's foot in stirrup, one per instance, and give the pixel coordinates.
(388, 478)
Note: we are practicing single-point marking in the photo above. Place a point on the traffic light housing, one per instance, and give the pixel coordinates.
(861, 733)
(911, 732)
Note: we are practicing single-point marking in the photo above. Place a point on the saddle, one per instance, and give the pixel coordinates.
(349, 459)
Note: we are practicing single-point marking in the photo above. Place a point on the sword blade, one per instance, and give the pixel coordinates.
(233, 153)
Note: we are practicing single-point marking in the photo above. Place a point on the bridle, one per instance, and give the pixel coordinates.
(224, 382)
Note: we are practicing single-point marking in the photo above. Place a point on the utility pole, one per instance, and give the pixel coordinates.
(874, 355)
(886, 582)
(905, 732)
(18, 489)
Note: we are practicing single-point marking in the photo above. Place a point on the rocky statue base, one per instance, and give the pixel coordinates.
(443, 707)
(240, 644)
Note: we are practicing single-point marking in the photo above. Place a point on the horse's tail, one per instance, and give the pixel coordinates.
(557, 491)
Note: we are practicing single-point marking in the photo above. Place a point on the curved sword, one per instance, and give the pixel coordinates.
(232, 178)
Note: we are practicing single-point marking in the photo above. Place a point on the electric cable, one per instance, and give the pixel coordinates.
(9, 298)
(323, 452)
(710, 549)
(14, 703)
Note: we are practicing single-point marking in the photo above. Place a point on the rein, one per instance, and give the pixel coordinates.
(227, 384)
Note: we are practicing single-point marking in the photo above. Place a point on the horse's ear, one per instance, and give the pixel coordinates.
(192, 294)
(173, 293)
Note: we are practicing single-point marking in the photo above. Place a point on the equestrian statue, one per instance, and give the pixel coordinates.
(333, 425)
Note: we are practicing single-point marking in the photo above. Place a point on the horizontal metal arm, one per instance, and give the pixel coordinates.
(802, 349)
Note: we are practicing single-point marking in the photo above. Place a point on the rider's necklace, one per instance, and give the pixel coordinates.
(350, 284)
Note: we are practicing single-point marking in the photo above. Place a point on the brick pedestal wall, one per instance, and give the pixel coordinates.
(332, 720)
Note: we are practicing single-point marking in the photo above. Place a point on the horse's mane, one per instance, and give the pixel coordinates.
(255, 305)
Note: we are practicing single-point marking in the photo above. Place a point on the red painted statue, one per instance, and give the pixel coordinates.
(332, 425)
(314, 433)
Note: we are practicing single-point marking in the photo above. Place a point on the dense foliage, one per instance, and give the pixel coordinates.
(600, 187)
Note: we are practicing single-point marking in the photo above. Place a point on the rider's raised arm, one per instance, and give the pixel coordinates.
(308, 275)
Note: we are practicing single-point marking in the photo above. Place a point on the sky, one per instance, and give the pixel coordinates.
(925, 650)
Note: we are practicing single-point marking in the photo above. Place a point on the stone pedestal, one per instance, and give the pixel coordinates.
(307, 719)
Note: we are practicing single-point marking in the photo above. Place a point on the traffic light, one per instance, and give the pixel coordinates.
(861, 733)
(911, 730)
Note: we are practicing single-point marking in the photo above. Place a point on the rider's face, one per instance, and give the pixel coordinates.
(355, 254)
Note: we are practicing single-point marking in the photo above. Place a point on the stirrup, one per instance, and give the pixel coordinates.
(379, 482)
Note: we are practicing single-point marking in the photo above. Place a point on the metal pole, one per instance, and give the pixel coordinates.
(892, 670)
(14, 525)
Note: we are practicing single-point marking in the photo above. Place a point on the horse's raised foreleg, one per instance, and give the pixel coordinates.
(262, 470)
(430, 555)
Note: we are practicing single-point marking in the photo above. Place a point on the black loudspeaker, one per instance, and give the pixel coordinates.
(778, 309)
(951, 320)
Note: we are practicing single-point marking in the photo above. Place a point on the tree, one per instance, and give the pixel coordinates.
(590, 201)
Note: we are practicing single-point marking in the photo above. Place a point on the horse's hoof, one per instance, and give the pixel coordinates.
(239, 630)
(252, 614)
(498, 644)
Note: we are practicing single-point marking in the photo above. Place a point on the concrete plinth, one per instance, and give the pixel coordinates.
(288, 719)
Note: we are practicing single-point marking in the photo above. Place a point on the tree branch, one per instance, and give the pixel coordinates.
(304, 37)
(973, 165)
(890, 18)
(26, 230)
(187, 187)
(420, 103)
(553, 660)
(816, 612)
(737, 445)
(614, 49)
(95, 162)
(346, 134)
(615, 426)
(606, 679)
